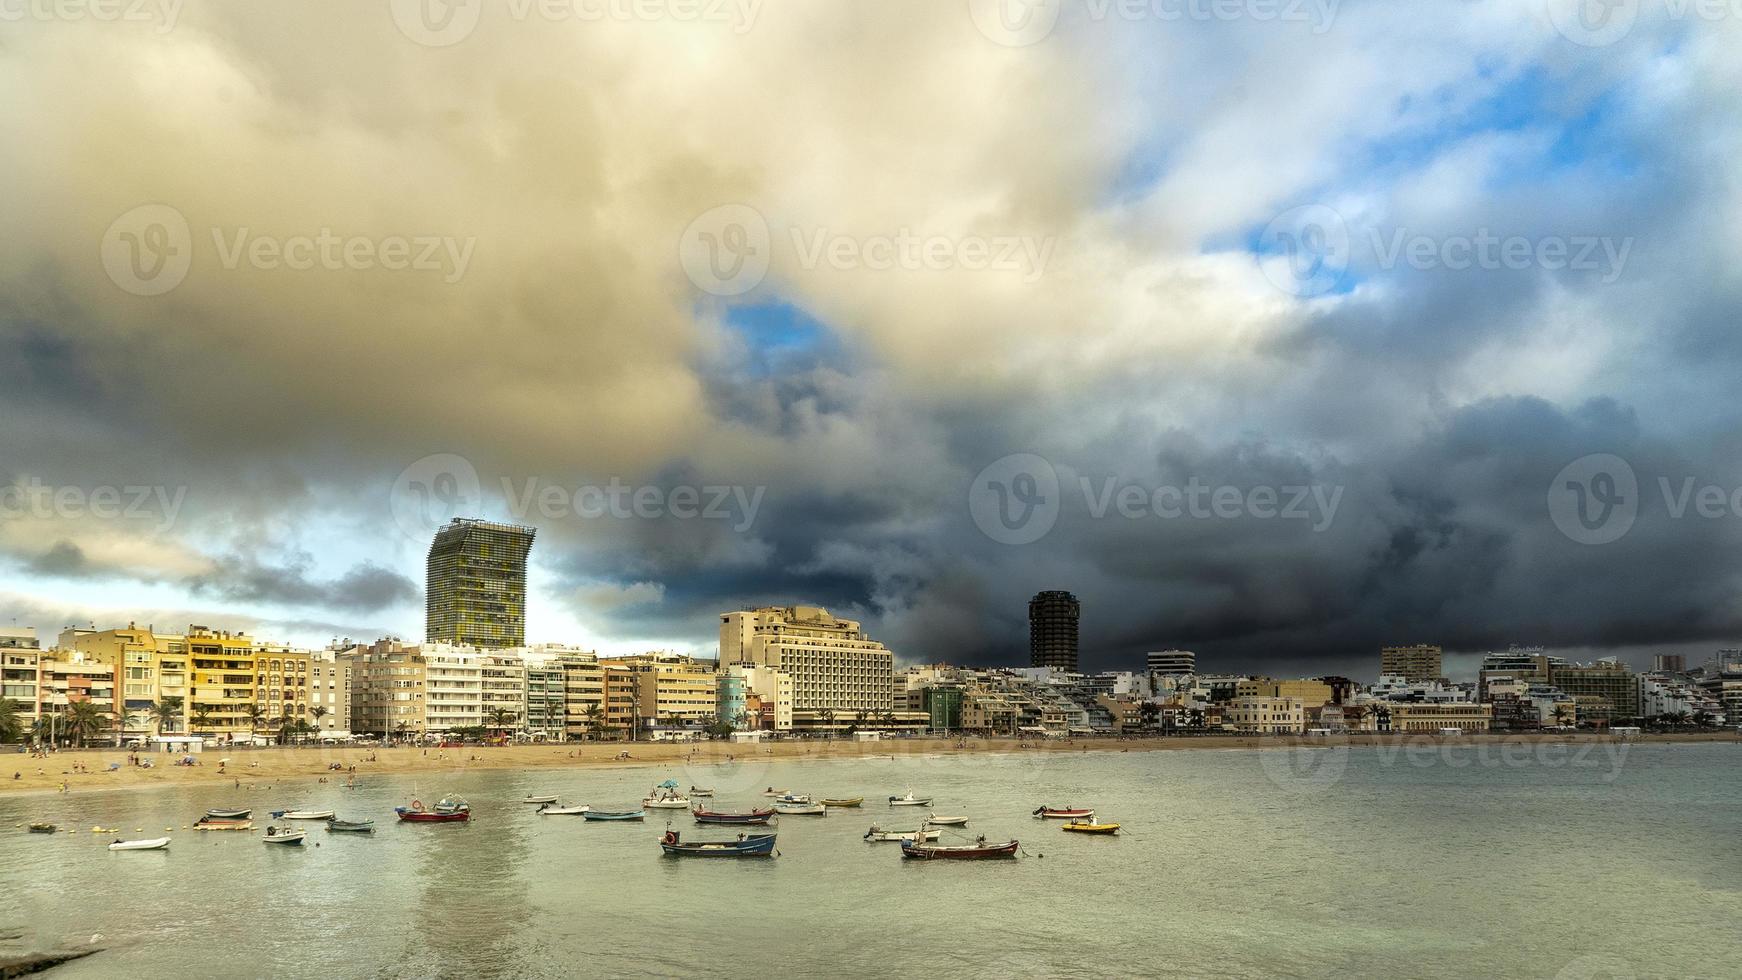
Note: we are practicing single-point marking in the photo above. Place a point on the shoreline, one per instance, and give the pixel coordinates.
(287, 764)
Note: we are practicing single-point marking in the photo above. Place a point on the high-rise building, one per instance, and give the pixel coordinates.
(1421, 662)
(387, 689)
(1669, 663)
(1173, 663)
(834, 666)
(475, 592)
(1052, 630)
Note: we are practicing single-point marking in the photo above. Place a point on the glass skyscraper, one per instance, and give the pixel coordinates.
(1052, 630)
(475, 591)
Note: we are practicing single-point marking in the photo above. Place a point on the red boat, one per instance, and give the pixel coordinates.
(977, 851)
(1057, 813)
(447, 811)
(754, 817)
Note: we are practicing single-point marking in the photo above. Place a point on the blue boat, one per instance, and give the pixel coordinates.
(754, 845)
(615, 815)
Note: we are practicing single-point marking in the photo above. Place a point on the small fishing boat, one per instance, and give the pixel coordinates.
(42, 828)
(910, 800)
(614, 815)
(801, 809)
(540, 799)
(980, 850)
(558, 810)
(855, 801)
(695, 791)
(665, 803)
(213, 823)
(1061, 813)
(754, 845)
(771, 791)
(303, 814)
(237, 813)
(792, 798)
(877, 833)
(937, 821)
(291, 838)
(154, 844)
(760, 817)
(447, 811)
(1082, 826)
(337, 826)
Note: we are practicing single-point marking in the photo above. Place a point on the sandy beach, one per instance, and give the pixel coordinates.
(87, 770)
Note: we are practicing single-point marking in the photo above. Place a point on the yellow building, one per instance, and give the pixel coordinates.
(1311, 693)
(281, 685)
(1266, 715)
(660, 690)
(387, 689)
(834, 665)
(221, 681)
(1413, 717)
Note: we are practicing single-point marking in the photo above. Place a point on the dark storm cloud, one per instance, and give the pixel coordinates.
(364, 588)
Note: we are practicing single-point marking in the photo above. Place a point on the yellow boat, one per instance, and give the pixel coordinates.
(855, 801)
(1085, 827)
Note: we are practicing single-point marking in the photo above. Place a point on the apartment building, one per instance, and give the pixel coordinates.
(502, 689)
(1420, 662)
(221, 681)
(19, 667)
(281, 685)
(329, 689)
(453, 687)
(835, 667)
(1413, 717)
(388, 688)
(667, 691)
(1265, 715)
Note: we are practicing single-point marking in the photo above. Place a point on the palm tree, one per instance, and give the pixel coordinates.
(741, 719)
(10, 729)
(595, 715)
(828, 722)
(400, 730)
(254, 713)
(85, 720)
(167, 711)
(502, 719)
(318, 712)
(203, 718)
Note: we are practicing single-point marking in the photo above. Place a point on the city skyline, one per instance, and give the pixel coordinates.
(1454, 365)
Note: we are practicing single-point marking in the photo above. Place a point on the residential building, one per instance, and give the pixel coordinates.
(221, 681)
(1173, 663)
(1417, 663)
(19, 638)
(65, 677)
(544, 707)
(453, 694)
(730, 708)
(281, 685)
(1310, 693)
(502, 690)
(768, 695)
(1607, 679)
(20, 668)
(1052, 630)
(583, 692)
(1528, 664)
(329, 690)
(1669, 663)
(835, 667)
(1265, 714)
(475, 591)
(669, 691)
(388, 688)
(943, 707)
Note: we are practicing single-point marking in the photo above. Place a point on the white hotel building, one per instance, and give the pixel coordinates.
(453, 693)
(832, 663)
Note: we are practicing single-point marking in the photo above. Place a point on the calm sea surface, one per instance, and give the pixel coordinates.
(1322, 863)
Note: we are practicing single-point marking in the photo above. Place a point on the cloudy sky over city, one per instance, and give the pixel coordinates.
(1277, 331)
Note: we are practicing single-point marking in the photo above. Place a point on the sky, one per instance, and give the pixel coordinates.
(1275, 331)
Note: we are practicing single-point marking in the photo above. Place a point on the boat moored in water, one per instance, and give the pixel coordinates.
(614, 815)
(910, 800)
(877, 833)
(560, 810)
(1089, 826)
(1062, 813)
(695, 791)
(291, 838)
(980, 850)
(753, 845)
(801, 809)
(450, 810)
(42, 828)
(303, 814)
(153, 844)
(852, 802)
(337, 826)
(540, 799)
(937, 821)
(212, 823)
(671, 802)
(236, 813)
(754, 817)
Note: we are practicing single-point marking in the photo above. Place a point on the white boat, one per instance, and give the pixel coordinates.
(695, 791)
(910, 800)
(304, 814)
(792, 798)
(879, 834)
(154, 844)
(553, 810)
(937, 821)
(666, 803)
(540, 799)
(771, 791)
(800, 809)
(291, 837)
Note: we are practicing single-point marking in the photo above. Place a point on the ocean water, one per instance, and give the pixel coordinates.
(1561, 862)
